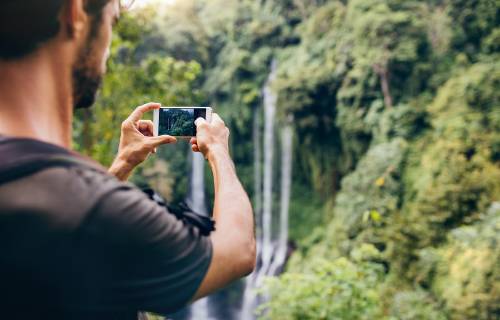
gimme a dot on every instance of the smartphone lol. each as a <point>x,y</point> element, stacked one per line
<point>179,121</point>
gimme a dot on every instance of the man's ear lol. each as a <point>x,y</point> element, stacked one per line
<point>74,18</point>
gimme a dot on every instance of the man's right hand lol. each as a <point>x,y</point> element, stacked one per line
<point>233,241</point>
<point>211,138</point>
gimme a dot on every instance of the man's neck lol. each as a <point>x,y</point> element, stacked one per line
<point>36,98</point>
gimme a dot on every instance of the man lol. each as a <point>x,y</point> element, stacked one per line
<point>75,242</point>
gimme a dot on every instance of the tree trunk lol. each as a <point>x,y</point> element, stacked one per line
<point>383,73</point>
<point>384,81</point>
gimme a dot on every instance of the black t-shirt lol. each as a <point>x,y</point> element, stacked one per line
<point>75,243</point>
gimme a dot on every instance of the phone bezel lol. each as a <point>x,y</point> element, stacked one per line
<point>156,118</point>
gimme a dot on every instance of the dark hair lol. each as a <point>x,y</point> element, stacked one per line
<point>27,24</point>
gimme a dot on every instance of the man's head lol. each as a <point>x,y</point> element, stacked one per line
<point>83,27</point>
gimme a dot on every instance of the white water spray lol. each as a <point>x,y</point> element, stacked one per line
<point>271,248</point>
<point>286,185</point>
<point>199,310</point>
<point>270,100</point>
<point>257,200</point>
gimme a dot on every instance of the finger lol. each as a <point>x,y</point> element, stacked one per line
<point>199,121</point>
<point>195,148</point>
<point>141,110</point>
<point>146,127</point>
<point>216,118</point>
<point>155,142</point>
<point>193,140</point>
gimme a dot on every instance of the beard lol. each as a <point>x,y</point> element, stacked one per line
<point>87,76</point>
<point>85,86</point>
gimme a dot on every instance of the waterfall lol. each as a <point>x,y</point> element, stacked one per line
<point>271,248</point>
<point>257,163</point>
<point>270,99</point>
<point>199,310</point>
<point>272,239</point>
<point>286,185</point>
<point>248,296</point>
<point>196,198</point>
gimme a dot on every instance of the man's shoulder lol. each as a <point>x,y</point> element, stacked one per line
<point>64,194</point>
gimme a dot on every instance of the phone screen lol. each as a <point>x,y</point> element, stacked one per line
<point>179,122</point>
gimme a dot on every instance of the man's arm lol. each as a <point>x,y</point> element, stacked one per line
<point>233,241</point>
<point>132,254</point>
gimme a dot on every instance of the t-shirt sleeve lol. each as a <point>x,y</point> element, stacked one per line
<point>136,255</point>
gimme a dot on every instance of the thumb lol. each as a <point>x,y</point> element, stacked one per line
<point>160,140</point>
<point>199,121</point>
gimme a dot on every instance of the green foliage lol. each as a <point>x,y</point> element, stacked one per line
<point>465,272</point>
<point>306,213</point>
<point>416,305</point>
<point>404,121</point>
<point>474,20</point>
<point>453,177</point>
<point>383,32</point>
<point>338,289</point>
<point>373,191</point>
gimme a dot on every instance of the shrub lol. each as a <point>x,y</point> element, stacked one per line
<point>416,305</point>
<point>467,272</point>
<point>337,289</point>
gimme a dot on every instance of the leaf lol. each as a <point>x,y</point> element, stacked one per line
<point>375,215</point>
<point>380,182</point>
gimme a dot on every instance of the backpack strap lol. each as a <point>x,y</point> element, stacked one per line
<point>184,212</point>
<point>23,157</point>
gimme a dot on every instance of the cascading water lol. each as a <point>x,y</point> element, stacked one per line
<point>271,248</point>
<point>196,200</point>
<point>286,185</point>
<point>257,163</point>
<point>270,100</point>
<point>272,238</point>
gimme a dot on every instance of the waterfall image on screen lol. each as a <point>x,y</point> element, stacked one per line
<point>179,121</point>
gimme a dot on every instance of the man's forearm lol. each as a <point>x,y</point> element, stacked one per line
<point>228,189</point>
<point>233,240</point>
<point>232,208</point>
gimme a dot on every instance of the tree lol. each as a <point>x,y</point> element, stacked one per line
<point>384,34</point>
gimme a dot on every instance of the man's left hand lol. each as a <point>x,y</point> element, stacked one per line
<point>137,142</point>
